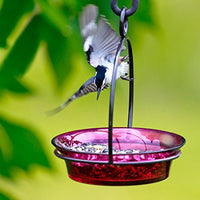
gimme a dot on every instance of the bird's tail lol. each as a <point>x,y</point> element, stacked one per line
<point>60,108</point>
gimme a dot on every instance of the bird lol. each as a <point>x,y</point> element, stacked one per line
<point>100,44</point>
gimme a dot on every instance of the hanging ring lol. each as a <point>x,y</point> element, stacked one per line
<point>129,12</point>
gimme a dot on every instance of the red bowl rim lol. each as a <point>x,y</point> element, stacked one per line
<point>160,151</point>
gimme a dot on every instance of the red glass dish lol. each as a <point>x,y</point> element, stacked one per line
<point>153,151</point>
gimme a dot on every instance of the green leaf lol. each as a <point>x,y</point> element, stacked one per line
<point>4,168</point>
<point>20,56</point>
<point>24,50</point>
<point>54,16</point>
<point>11,84</point>
<point>5,197</point>
<point>60,53</point>
<point>10,14</point>
<point>23,148</point>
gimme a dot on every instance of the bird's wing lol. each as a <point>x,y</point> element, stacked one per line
<point>87,21</point>
<point>105,41</point>
<point>88,87</point>
<point>99,41</point>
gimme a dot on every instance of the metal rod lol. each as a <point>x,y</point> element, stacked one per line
<point>124,14</point>
<point>112,95</point>
<point>131,83</point>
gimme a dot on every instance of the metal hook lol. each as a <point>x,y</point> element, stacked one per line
<point>129,12</point>
<point>123,28</point>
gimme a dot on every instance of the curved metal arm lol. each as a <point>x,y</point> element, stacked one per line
<point>124,13</point>
<point>131,83</point>
<point>112,94</point>
<point>129,12</point>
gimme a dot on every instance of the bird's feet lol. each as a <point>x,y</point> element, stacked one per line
<point>126,78</point>
<point>124,58</point>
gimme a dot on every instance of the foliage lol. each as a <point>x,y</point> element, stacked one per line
<point>24,149</point>
<point>54,23</point>
<point>5,196</point>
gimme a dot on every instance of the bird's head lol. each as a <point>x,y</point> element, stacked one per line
<point>100,78</point>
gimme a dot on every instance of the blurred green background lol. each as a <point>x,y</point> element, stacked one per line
<point>42,63</point>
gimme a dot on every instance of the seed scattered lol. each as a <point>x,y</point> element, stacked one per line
<point>99,148</point>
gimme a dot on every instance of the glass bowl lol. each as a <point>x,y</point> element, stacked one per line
<point>140,155</point>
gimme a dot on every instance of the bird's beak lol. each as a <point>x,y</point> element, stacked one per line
<point>98,93</point>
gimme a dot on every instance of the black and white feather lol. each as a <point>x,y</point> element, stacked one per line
<point>87,21</point>
<point>88,87</point>
<point>100,43</point>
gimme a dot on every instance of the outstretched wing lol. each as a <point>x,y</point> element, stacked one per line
<point>99,41</point>
<point>87,21</point>
<point>88,87</point>
<point>105,41</point>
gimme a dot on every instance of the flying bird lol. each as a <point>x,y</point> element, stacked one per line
<point>100,43</point>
